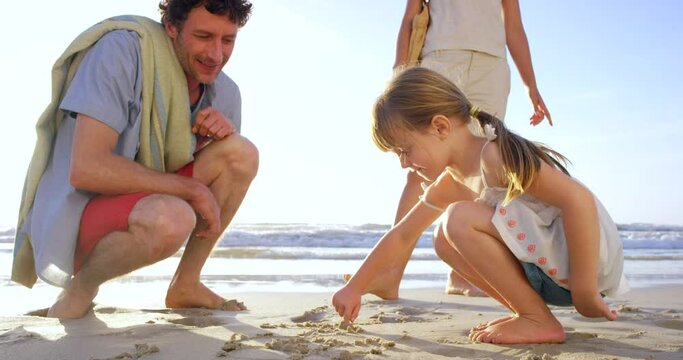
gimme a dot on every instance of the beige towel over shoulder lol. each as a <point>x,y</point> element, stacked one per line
<point>166,141</point>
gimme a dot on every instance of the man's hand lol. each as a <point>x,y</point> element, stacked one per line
<point>204,203</point>
<point>347,303</point>
<point>211,123</point>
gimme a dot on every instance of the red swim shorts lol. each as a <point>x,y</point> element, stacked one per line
<point>108,213</point>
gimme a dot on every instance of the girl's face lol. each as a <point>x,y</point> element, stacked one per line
<point>424,152</point>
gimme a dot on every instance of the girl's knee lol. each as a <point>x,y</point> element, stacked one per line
<point>458,222</point>
<point>446,251</point>
<point>441,245</point>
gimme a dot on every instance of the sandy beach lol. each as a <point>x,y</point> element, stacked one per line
<point>423,324</point>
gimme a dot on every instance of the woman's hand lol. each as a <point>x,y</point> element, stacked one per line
<point>540,110</point>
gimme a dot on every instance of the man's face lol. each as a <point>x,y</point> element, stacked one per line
<point>203,45</point>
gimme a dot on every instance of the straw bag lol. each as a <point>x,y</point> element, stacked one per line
<point>418,33</point>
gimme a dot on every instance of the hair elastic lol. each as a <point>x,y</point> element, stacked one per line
<point>474,111</point>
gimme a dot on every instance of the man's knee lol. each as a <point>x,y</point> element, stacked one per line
<point>240,156</point>
<point>164,222</point>
<point>247,165</point>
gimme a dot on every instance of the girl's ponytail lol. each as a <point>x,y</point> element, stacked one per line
<point>521,157</point>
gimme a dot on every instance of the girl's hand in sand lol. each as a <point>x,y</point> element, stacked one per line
<point>347,303</point>
<point>593,306</point>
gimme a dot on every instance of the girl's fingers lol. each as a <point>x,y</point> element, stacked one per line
<point>354,313</point>
<point>347,315</point>
<point>550,119</point>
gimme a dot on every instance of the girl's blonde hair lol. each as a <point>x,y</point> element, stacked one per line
<point>415,95</point>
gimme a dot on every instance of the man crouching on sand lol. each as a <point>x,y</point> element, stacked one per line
<point>138,153</point>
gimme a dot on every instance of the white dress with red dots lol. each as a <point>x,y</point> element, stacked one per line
<point>534,233</point>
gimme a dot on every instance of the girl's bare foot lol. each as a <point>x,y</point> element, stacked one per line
<point>483,326</point>
<point>384,285</point>
<point>197,295</point>
<point>522,330</point>
<point>456,285</point>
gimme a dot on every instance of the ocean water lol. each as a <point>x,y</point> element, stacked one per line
<point>312,258</point>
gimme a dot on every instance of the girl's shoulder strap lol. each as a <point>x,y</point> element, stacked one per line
<point>481,164</point>
<point>490,134</point>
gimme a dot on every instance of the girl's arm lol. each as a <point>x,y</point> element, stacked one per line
<point>396,245</point>
<point>413,7</point>
<point>582,230</point>
<point>518,45</point>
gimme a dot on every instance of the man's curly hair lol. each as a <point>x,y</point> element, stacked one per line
<point>175,11</point>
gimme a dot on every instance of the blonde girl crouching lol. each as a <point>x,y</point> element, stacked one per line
<point>527,233</point>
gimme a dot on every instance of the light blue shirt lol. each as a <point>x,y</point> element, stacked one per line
<point>107,87</point>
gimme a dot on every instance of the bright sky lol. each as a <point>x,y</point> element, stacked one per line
<point>610,71</point>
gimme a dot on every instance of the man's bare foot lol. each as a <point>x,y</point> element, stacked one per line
<point>521,330</point>
<point>384,285</point>
<point>456,285</point>
<point>72,303</point>
<point>197,295</point>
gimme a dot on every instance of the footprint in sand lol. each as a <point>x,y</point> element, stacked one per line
<point>396,317</point>
<point>406,310</point>
<point>308,316</point>
<point>636,335</point>
<point>140,351</point>
<point>113,310</point>
<point>17,335</point>
<point>313,315</point>
<point>581,336</point>
<point>623,308</point>
<point>670,324</point>
<point>144,349</point>
<point>385,318</point>
<point>200,322</point>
